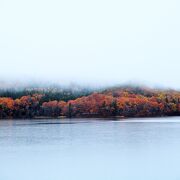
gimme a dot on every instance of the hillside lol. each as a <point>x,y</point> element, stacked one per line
<point>124,101</point>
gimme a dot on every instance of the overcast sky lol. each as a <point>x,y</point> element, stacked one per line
<point>91,41</point>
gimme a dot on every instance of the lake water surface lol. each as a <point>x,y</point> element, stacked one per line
<point>90,149</point>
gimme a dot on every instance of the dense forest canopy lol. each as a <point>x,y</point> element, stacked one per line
<point>49,94</point>
<point>125,101</point>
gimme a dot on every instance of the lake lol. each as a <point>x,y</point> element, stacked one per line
<point>90,149</point>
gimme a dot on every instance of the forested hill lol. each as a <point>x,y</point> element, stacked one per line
<point>124,101</point>
<point>49,94</point>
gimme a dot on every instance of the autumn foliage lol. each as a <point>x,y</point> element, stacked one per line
<point>125,102</point>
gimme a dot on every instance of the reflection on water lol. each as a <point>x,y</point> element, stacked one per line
<point>86,149</point>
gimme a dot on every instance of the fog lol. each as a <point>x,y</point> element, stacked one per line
<point>90,42</point>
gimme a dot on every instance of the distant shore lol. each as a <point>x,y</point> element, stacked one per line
<point>83,117</point>
<point>117,102</point>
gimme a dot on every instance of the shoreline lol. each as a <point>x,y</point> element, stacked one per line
<point>65,117</point>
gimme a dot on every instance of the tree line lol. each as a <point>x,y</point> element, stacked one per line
<point>123,101</point>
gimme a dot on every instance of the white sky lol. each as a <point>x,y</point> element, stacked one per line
<point>91,41</point>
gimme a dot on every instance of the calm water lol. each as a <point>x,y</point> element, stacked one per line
<point>90,149</point>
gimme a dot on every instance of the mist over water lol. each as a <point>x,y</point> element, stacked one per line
<point>96,43</point>
<point>20,84</point>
